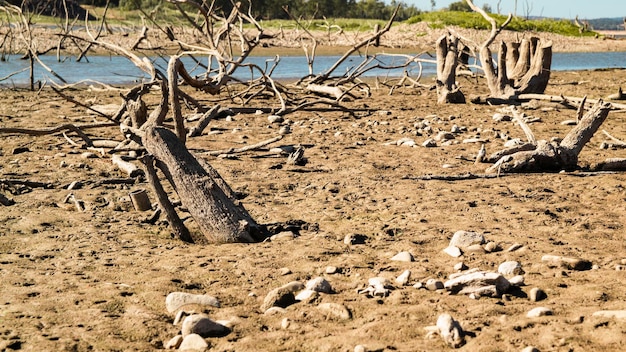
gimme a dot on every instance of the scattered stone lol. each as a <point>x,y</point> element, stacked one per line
<point>434,284</point>
<point>517,280</point>
<point>354,238</point>
<point>450,331</point>
<point>530,349</point>
<point>335,310</point>
<point>498,117</point>
<point>307,296</point>
<point>180,316</point>
<point>174,342</point>
<point>555,261</point>
<point>282,296</point>
<point>285,323</point>
<point>418,285</point>
<point>404,278</point>
<point>513,143</point>
<point>176,300</point>
<point>453,251</point>
<point>286,129</point>
<point>491,247</point>
<point>536,294</point>
<point>377,286</point>
<point>515,247</point>
<point>319,284</point>
<point>331,270</point>
<point>275,311</point>
<point>403,257</point>
<point>202,325</point>
<point>429,143</point>
<point>464,239</point>
<point>275,119</point>
<point>283,236</point>
<point>460,266</point>
<point>443,136</point>
<point>617,314</point>
<point>539,312</point>
<point>510,268</point>
<point>193,342</point>
<point>475,248</point>
<point>285,271</point>
<point>482,283</point>
<point>360,348</point>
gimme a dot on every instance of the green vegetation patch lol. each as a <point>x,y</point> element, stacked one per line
<point>473,20</point>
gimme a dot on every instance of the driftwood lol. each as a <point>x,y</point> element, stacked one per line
<point>129,168</point>
<point>447,54</point>
<point>553,156</point>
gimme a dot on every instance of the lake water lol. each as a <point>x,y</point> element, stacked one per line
<point>119,70</point>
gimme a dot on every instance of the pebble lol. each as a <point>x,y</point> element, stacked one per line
<point>510,268</point>
<point>275,119</point>
<point>319,284</point>
<point>515,247</point>
<point>555,261</point>
<point>89,155</point>
<point>193,342</point>
<point>285,323</point>
<point>176,300</point>
<point>331,270</point>
<point>360,348</point>
<point>403,257</point>
<point>429,143</point>
<point>174,342</point>
<point>491,247</point>
<point>453,251</point>
<point>202,325</point>
<point>460,266</point>
<point>517,280</point>
<point>403,279</point>
<point>443,135</point>
<point>463,239</point>
<point>275,311</point>
<point>536,294</point>
<point>481,283</point>
<point>282,296</point>
<point>283,236</point>
<point>284,271</point>
<point>307,295</point>
<point>539,312</point>
<point>335,310</point>
<point>284,130</point>
<point>617,314</point>
<point>180,316</point>
<point>450,331</point>
<point>354,238</point>
<point>530,349</point>
<point>434,284</point>
<point>513,143</point>
<point>498,117</point>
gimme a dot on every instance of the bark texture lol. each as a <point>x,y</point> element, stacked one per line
<point>447,61</point>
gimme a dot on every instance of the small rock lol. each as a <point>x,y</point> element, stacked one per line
<point>460,266</point>
<point>275,119</point>
<point>566,262</point>
<point>450,330</point>
<point>453,251</point>
<point>404,278</point>
<point>429,143</point>
<point>335,310</point>
<point>617,314</point>
<point>360,348</point>
<point>282,296</point>
<point>202,325</point>
<point>539,312</point>
<point>403,257</point>
<point>510,268</point>
<point>475,248</point>
<point>284,130</point>
<point>517,280</point>
<point>480,281</point>
<point>464,239</point>
<point>285,271</point>
<point>418,285</point>
<point>536,294</point>
<point>176,300</point>
<point>433,285</point>
<point>331,270</point>
<point>307,295</point>
<point>354,238</point>
<point>180,316</point>
<point>193,342</point>
<point>174,342</point>
<point>443,136</point>
<point>283,236</point>
<point>491,247</point>
<point>514,247</point>
<point>530,349</point>
<point>513,143</point>
<point>319,284</point>
<point>498,117</point>
<point>275,311</point>
<point>285,323</point>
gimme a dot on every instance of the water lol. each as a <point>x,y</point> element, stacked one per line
<point>119,70</point>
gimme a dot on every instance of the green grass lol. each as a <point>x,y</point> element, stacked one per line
<point>441,19</point>
<point>347,24</point>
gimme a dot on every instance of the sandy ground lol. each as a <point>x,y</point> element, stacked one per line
<point>96,280</point>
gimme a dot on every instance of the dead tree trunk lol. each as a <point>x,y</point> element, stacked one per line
<point>217,215</point>
<point>553,156</point>
<point>447,61</point>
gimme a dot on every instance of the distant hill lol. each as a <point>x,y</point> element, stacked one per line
<point>616,23</point>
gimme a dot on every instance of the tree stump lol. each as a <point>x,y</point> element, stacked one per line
<point>447,61</point>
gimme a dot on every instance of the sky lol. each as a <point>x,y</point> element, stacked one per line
<point>584,9</point>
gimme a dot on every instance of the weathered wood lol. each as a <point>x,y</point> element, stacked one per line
<point>219,219</point>
<point>129,168</point>
<point>447,54</point>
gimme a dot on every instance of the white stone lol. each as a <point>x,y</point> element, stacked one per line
<point>285,323</point>
<point>275,119</point>
<point>275,311</point>
<point>517,280</point>
<point>539,312</point>
<point>617,314</point>
<point>429,143</point>
<point>566,262</point>
<point>460,266</point>
<point>536,294</point>
<point>514,247</point>
<point>307,295</point>
<point>473,282</point>
<point>319,284</point>
<point>434,284</point>
<point>463,239</point>
<point>360,348</point>
<point>176,300</point>
<point>174,342</point>
<point>510,268</point>
<point>450,330</point>
<point>193,342</point>
<point>453,251</point>
<point>404,278</point>
<point>403,257</point>
<point>530,349</point>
